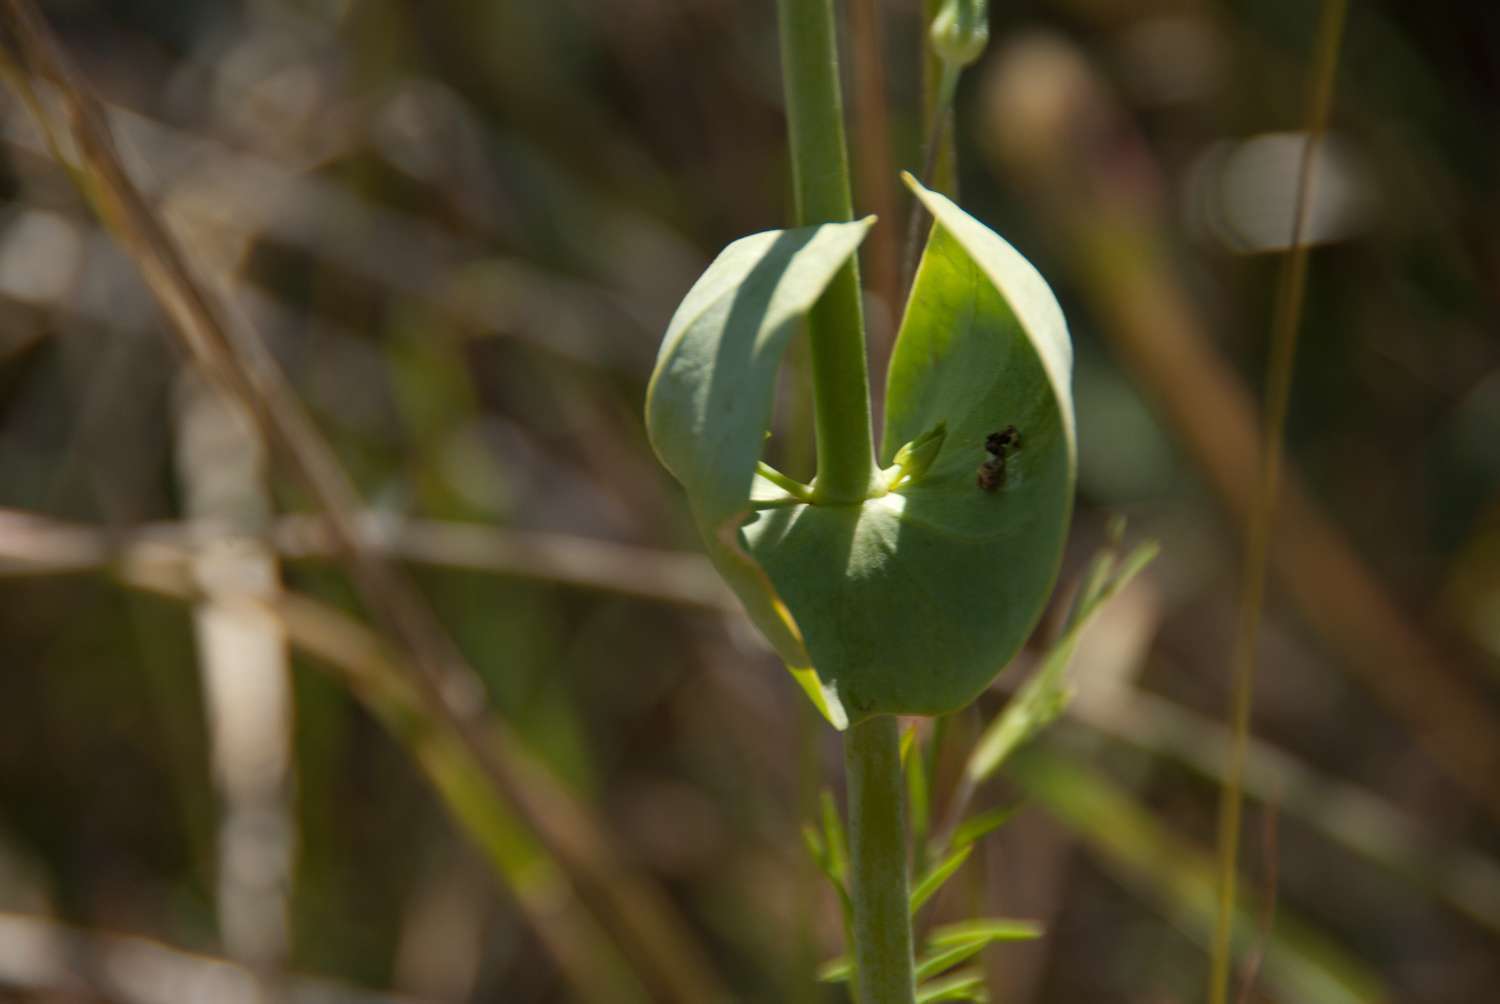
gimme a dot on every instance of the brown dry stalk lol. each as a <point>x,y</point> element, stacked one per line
<point>1285,325</point>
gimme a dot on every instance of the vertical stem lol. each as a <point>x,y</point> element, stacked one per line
<point>820,171</point>
<point>875,173</point>
<point>877,863</point>
<point>940,177</point>
<point>1284,326</point>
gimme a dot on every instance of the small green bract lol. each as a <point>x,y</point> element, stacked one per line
<point>910,601</point>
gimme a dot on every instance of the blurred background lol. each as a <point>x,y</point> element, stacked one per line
<point>462,227</point>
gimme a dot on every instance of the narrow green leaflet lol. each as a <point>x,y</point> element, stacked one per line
<point>941,872</point>
<point>1045,696</point>
<point>948,946</point>
<point>964,985</point>
<point>984,930</point>
<point>982,824</point>
<point>912,600</point>
<point>936,965</point>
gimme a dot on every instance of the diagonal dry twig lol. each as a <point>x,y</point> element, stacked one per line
<point>31,544</point>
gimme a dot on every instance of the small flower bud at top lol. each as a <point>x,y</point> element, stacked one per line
<point>960,31</point>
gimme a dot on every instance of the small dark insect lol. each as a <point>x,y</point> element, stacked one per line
<point>998,444</point>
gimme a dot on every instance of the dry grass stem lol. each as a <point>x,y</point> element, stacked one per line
<point>233,357</point>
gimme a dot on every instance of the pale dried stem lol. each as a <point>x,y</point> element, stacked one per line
<point>57,961</point>
<point>247,692</point>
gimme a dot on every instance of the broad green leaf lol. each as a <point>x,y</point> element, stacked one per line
<point>709,403</point>
<point>912,600</point>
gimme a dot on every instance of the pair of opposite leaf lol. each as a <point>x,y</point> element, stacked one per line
<point>910,601</point>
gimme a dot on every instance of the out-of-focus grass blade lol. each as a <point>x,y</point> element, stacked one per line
<point>1046,694</point>
<point>831,852</point>
<point>941,872</point>
<point>982,825</point>
<point>835,839</point>
<point>964,985</point>
<point>1300,963</point>
<point>816,849</point>
<point>918,804</point>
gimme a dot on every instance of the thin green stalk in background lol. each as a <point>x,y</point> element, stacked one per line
<point>954,35</point>
<point>1262,510</point>
<point>820,173</point>
<point>882,949</point>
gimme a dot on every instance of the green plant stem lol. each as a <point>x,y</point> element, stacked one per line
<point>940,177</point>
<point>877,863</point>
<point>820,172</point>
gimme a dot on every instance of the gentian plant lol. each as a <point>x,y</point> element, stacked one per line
<point>898,582</point>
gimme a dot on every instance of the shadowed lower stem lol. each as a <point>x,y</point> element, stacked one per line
<point>877,863</point>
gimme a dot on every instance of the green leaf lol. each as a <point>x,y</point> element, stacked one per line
<point>912,600</point>
<point>964,985</point>
<point>954,944</point>
<point>709,403</point>
<point>815,847</point>
<point>836,970</point>
<point>940,873</point>
<point>982,824</point>
<point>918,802</point>
<point>940,962</point>
<point>834,837</point>
<point>1046,695</point>
<point>984,930</point>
